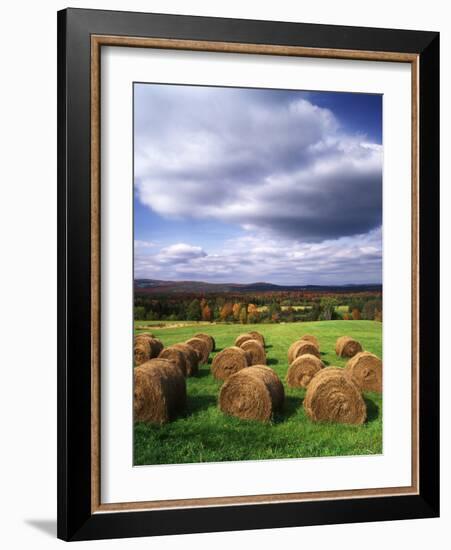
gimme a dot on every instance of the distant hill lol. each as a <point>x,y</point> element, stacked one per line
<point>157,286</point>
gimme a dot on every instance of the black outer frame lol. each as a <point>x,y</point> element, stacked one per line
<point>75,520</point>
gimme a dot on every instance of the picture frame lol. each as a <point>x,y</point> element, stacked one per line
<point>81,36</point>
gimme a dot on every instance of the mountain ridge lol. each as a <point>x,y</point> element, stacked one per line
<point>157,285</point>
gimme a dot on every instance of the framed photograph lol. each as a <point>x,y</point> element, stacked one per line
<point>248,274</point>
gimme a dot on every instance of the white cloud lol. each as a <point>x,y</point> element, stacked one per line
<point>255,257</point>
<point>257,160</point>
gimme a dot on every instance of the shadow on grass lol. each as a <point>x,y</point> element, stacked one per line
<point>217,350</point>
<point>372,410</point>
<point>199,403</point>
<point>272,361</point>
<point>290,408</point>
<point>267,346</point>
<point>203,372</point>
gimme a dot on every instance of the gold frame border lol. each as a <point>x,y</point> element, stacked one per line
<point>97,41</point>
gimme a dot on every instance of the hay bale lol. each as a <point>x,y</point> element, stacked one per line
<point>243,338</point>
<point>302,370</point>
<point>176,356</point>
<point>159,391</point>
<point>254,393</point>
<point>256,352</point>
<point>191,358</point>
<point>209,340</point>
<point>365,369</point>
<point>148,334</point>
<point>155,344</point>
<point>346,346</point>
<point>201,348</point>
<point>311,338</point>
<point>332,396</point>
<point>301,347</point>
<point>257,336</point>
<point>141,351</point>
<point>229,361</point>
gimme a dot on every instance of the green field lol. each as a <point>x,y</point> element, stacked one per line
<point>204,434</point>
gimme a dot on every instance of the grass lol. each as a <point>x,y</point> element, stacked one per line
<point>204,434</point>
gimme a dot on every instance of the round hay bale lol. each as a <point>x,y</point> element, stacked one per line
<point>191,358</point>
<point>254,393</point>
<point>346,346</point>
<point>332,396</point>
<point>148,334</point>
<point>301,347</point>
<point>156,345</point>
<point>200,347</point>
<point>229,361</point>
<point>209,340</point>
<point>255,351</point>
<point>302,370</point>
<point>159,391</point>
<point>175,356</point>
<point>365,369</point>
<point>257,336</point>
<point>141,351</point>
<point>311,338</point>
<point>242,338</point>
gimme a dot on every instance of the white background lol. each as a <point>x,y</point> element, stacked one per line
<point>28,246</point>
<point>119,481</point>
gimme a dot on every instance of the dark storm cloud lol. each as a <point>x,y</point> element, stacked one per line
<point>263,160</point>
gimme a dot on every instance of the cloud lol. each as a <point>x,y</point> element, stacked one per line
<point>263,160</point>
<point>252,258</point>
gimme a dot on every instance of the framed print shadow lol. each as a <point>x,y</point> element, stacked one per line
<point>248,252</point>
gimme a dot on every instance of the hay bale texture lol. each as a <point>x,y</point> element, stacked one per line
<point>243,338</point>
<point>311,338</point>
<point>229,361</point>
<point>254,393</point>
<point>332,396</point>
<point>256,352</point>
<point>365,369</point>
<point>191,358</point>
<point>141,351</point>
<point>209,340</point>
<point>257,336</point>
<point>201,348</point>
<point>176,356</point>
<point>346,346</point>
<point>302,347</point>
<point>302,370</point>
<point>159,391</point>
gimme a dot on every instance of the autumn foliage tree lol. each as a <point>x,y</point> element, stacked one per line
<point>356,314</point>
<point>226,311</point>
<point>236,311</point>
<point>206,313</point>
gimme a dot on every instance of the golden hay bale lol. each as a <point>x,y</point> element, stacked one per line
<point>254,393</point>
<point>148,334</point>
<point>242,338</point>
<point>156,345</point>
<point>159,391</point>
<point>365,369</point>
<point>346,346</point>
<point>257,336</point>
<point>302,370</point>
<point>175,356</point>
<point>311,338</point>
<point>141,351</point>
<point>200,347</point>
<point>229,361</point>
<point>255,351</point>
<point>301,347</point>
<point>191,358</point>
<point>332,396</point>
<point>209,340</point>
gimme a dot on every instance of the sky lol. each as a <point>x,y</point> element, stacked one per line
<point>254,185</point>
